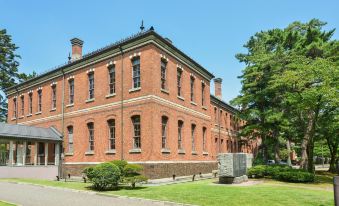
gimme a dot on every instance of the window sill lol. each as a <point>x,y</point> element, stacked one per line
<point>21,117</point>
<point>194,103</point>
<point>110,151</point>
<point>181,151</point>
<point>70,105</point>
<point>14,118</point>
<point>181,98</point>
<point>29,115</point>
<point>110,95</point>
<point>53,110</point>
<point>165,151</point>
<point>90,100</point>
<point>204,107</point>
<point>194,153</point>
<point>69,154</point>
<point>134,89</point>
<point>38,113</point>
<point>164,91</point>
<point>135,151</point>
<point>205,153</point>
<point>89,153</point>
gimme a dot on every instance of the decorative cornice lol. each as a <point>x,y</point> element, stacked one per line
<point>91,70</point>
<point>163,57</point>
<point>135,55</point>
<point>111,63</point>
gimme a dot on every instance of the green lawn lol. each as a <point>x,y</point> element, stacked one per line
<point>5,204</point>
<point>205,192</point>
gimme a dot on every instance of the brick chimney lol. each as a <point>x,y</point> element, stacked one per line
<point>217,88</point>
<point>76,48</point>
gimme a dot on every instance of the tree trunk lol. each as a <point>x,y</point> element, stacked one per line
<point>333,147</point>
<point>304,163</point>
<point>288,146</point>
<point>277,151</point>
<point>310,150</point>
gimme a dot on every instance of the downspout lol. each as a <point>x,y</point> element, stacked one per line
<point>122,103</point>
<point>16,105</point>
<point>219,142</point>
<point>61,151</point>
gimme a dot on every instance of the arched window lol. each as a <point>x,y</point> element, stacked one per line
<point>70,139</point>
<point>204,139</point>
<point>164,121</point>
<point>14,108</point>
<point>90,127</point>
<point>111,128</point>
<point>180,126</point>
<point>193,136</point>
<point>136,132</point>
<point>39,100</point>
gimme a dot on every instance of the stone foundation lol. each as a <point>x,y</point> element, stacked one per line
<point>233,180</point>
<point>155,170</point>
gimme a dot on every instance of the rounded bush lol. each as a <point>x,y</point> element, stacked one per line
<point>103,176</point>
<point>295,176</point>
<point>258,171</point>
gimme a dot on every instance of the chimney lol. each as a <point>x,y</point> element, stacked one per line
<point>76,48</point>
<point>217,88</point>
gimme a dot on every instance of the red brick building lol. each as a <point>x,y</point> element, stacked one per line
<point>140,99</point>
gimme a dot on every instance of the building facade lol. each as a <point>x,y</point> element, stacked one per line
<point>140,99</point>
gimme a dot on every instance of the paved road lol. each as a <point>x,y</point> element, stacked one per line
<point>32,195</point>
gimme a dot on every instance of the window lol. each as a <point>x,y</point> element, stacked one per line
<point>71,91</point>
<point>163,74</point>
<point>202,94</point>
<point>90,127</point>
<point>192,89</point>
<point>111,128</point>
<point>179,75</point>
<point>111,72</point>
<point>215,114</point>
<point>204,138</point>
<point>39,100</point>
<point>137,132</point>
<point>91,85</point>
<point>136,72</point>
<point>53,96</point>
<point>193,136</point>
<point>70,139</point>
<point>30,103</point>
<point>180,126</point>
<point>22,106</point>
<point>220,123</point>
<point>14,108</point>
<point>164,121</point>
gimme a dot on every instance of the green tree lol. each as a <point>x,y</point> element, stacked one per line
<point>9,75</point>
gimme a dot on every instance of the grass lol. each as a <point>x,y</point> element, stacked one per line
<point>5,204</point>
<point>269,192</point>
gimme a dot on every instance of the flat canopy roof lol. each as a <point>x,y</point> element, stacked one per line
<point>23,132</point>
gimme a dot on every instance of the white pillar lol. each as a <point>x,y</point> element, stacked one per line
<point>11,155</point>
<point>36,153</point>
<point>46,153</point>
<point>57,153</point>
<point>24,154</point>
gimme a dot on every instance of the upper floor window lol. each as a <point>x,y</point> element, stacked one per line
<point>136,72</point>
<point>163,74</point>
<point>39,100</point>
<point>180,126</point>
<point>14,108</point>
<point>202,94</point>
<point>204,138</point>
<point>91,85</point>
<point>137,132</point>
<point>192,88</point>
<point>111,72</point>
<point>71,91</point>
<point>179,79</point>
<point>53,96</point>
<point>70,139</point>
<point>30,103</point>
<point>215,114</point>
<point>111,128</point>
<point>164,121</point>
<point>90,127</point>
<point>22,105</point>
<point>220,122</point>
<point>193,136</point>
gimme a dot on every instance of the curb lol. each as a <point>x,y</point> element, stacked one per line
<point>12,203</point>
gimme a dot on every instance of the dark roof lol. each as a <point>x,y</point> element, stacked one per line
<point>29,132</point>
<point>117,44</point>
<point>223,104</point>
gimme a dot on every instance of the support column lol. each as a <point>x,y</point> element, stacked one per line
<point>24,154</point>
<point>11,155</point>
<point>46,153</point>
<point>36,153</point>
<point>57,154</point>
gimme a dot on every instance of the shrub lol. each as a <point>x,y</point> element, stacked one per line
<point>135,179</point>
<point>295,176</point>
<point>121,164</point>
<point>103,176</point>
<point>132,174</point>
<point>258,171</point>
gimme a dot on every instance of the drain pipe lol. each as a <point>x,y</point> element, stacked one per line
<point>16,105</point>
<point>61,150</point>
<point>122,103</point>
